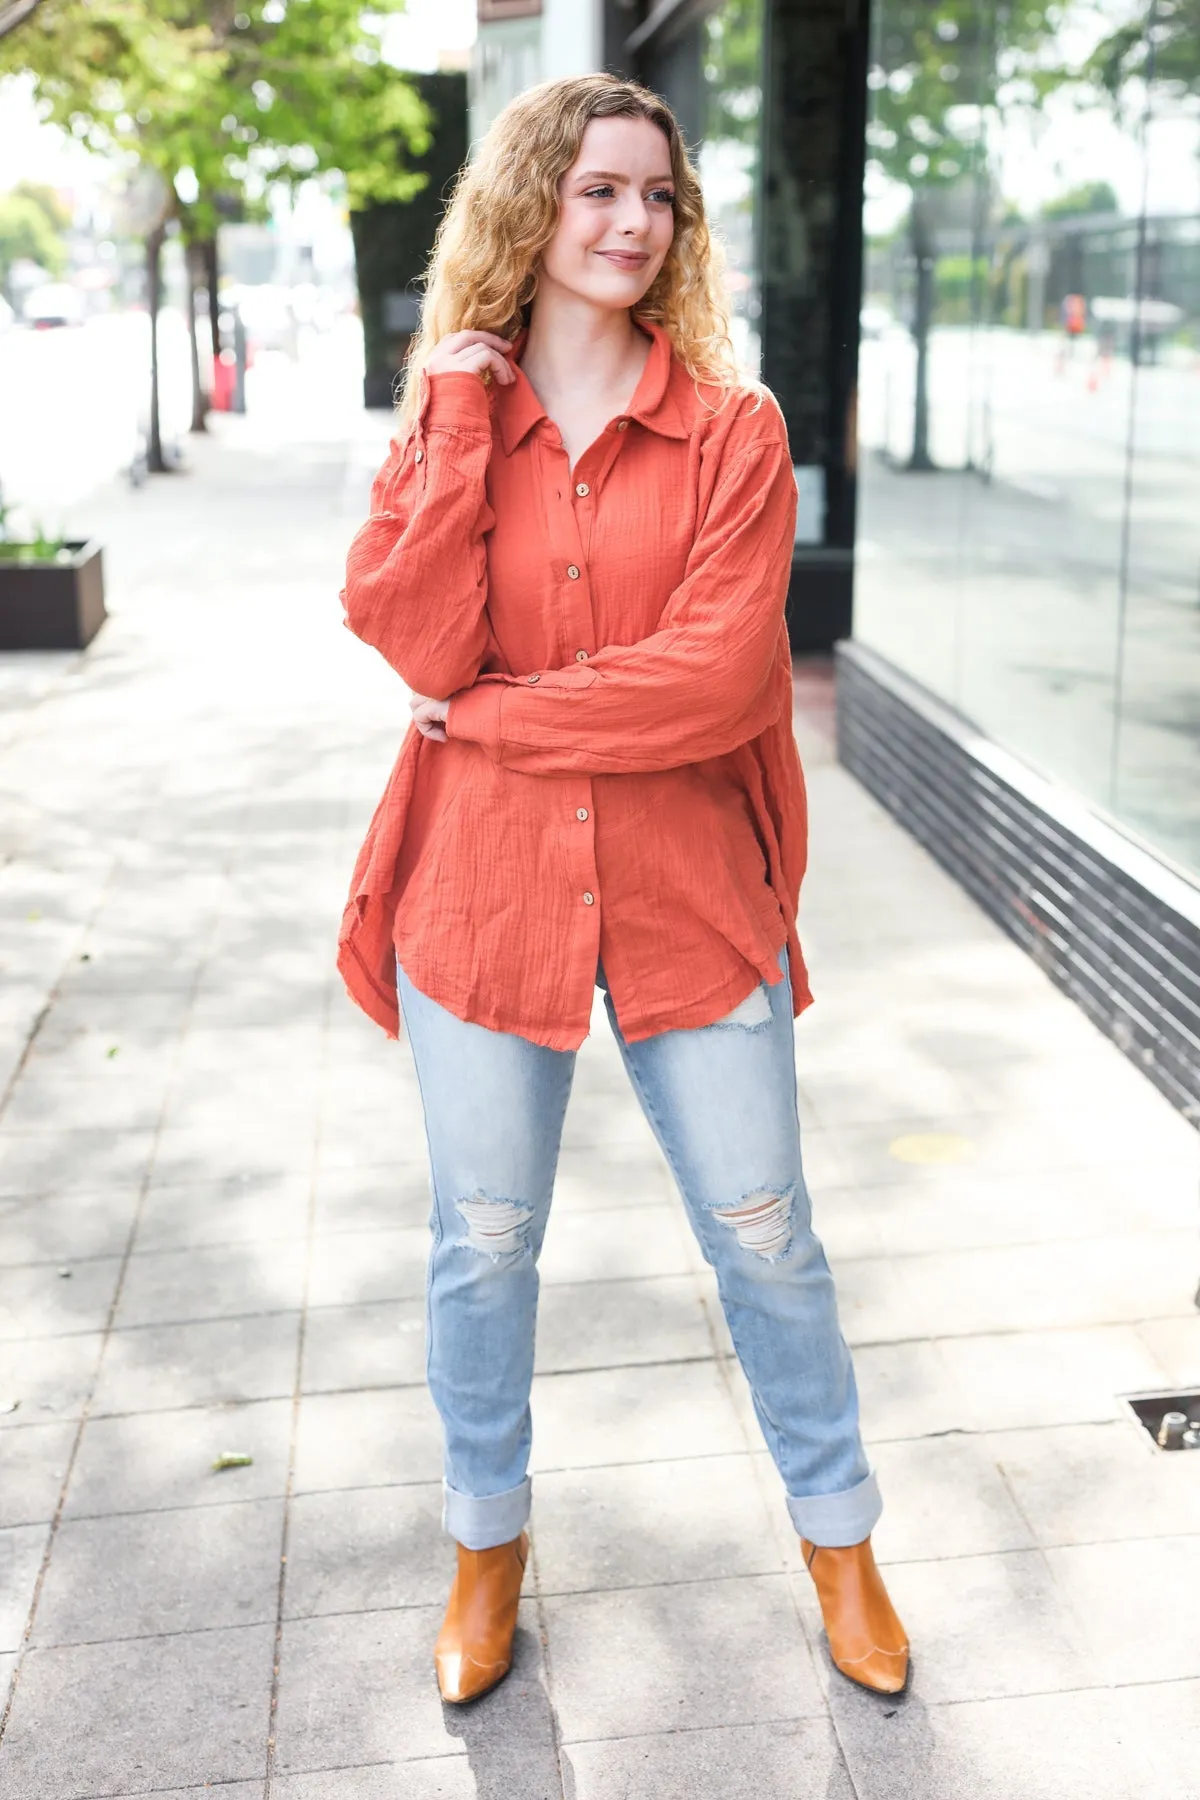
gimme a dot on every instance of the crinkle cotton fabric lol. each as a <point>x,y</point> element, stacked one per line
<point>620,781</point>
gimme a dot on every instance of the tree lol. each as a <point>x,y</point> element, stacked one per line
<point>941,71</point>
<point>26,232</point>
<point>215,100</point>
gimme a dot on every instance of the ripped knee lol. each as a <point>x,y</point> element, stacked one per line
<point>495,1228</point>
<point>762,1222</point>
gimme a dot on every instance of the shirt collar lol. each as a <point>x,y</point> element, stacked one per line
<point>652,405</point>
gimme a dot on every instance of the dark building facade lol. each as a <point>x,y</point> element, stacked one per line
<point>770,94</point>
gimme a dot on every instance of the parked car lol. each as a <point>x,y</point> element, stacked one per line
<point>54,303</point>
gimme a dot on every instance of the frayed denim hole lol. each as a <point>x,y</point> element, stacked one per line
<point>751,1014</point>
<point>496,1228</point>
<point>762,1222</point>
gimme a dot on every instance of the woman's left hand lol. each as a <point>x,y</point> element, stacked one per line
<point>429,716</point>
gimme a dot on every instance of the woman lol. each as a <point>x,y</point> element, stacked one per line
<point>576,557</point>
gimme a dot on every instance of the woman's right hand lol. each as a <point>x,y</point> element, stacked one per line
<point>472,353</point>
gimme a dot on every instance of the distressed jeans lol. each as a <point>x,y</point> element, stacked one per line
<point>722,1103</point>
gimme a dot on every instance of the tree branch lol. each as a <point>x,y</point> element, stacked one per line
<point>15,13</point>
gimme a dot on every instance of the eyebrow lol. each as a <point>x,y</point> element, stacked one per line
<point>611,175</point>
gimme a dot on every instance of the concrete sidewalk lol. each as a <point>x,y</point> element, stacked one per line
<point>212,1195</point>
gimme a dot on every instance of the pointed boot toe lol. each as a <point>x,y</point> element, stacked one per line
<point>474,1646</point>
<point>867,1642</point>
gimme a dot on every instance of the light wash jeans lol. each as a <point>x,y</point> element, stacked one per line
<point>722,1104</point>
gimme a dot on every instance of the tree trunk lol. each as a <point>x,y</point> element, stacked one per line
<point>922,247</point>
<point>155,460</point>
<point>212,277</point>
<point>200,394</point>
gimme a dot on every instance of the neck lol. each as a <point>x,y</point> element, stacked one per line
<point>574,346</point>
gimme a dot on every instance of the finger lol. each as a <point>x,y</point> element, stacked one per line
<point>482,337</point>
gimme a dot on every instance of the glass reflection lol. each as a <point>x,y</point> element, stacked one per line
<point>731,49</point>
<point>1028,523</point>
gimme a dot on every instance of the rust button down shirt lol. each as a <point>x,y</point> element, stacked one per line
<point>620,780</point>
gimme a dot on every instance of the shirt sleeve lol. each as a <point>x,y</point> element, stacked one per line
<point>416,571</point>
<point>701,685</point>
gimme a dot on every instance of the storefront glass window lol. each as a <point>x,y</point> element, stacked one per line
<point>731,52</point>
<point>1029,473</point>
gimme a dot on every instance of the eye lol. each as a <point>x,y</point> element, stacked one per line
<point>591,193</point>
<point>666,195</point>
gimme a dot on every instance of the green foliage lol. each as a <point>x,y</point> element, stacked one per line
<point>25,231</point>
<point>732,73</point>
<point>940,70</point>
<point>1077,202</point>
<point>49,199</point>
<point>1167,54</point>
<point>275,89</point>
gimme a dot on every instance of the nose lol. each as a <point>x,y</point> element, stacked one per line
<point>635,217</point>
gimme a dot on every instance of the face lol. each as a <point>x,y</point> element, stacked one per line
<point>616,215</point>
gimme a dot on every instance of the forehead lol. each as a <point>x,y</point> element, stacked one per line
<point>633,146</point>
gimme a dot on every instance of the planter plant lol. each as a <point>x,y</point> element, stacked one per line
<point>51,590</point>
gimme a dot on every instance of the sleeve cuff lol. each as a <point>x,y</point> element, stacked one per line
<point>454,400</point>
<point>474,714</point>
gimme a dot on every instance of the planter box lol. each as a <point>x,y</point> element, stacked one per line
<point>52,606</point>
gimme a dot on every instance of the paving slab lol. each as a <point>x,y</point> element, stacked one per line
<point>66,1228</point>
<point>649,1659</point>
<point>1130,1599</point>
<point>42,1379</point>
<point>981,1627</point>
<point>149,1462</point>
<point>648,1524</point>
<point>362,1685</point>
<point>210,1361</point>
<point>34,1459</point>
<point>173,1286</point>
<point>22,1548</point>
<point>146,1714</point>
<point>605,1324</point>
<point>482,1770</point>
<point>352,1267</point>
<point>203,1215</point>
<point>789,1759</point>
<point>366,1549</point>
<point>947,1497</point>
<point>143,1574</point>
<point>40,1300</point>
<point>629,1415</point>
<point>1062,1377</point>
<point>384,1438</point>
<point>1097,1483</point>
<point>1057,1746</point>
<point>381,1344</point>
<point>596,1246</point>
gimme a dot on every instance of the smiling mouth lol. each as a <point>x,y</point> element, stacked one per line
<point>626,258</point>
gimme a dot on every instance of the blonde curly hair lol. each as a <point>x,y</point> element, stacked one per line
<point>482,273</point>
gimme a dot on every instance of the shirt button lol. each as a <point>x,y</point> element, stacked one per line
<point>622,424</point>
<point>581,656</point>
<point>582,489</point>
<point>581,813</point>
<point>572,571</point>
<point>589,899</point>
<point>533,678</point>
<point>419,456</point>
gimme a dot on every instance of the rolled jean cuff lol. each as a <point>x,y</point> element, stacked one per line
<point>481,1524</point>
<point>835,1520</point>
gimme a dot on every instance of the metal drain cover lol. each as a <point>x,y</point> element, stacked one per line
<point>1172,1419</point>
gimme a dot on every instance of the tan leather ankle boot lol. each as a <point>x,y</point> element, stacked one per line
<point>474,1646</point>
<point>866,1640</point>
